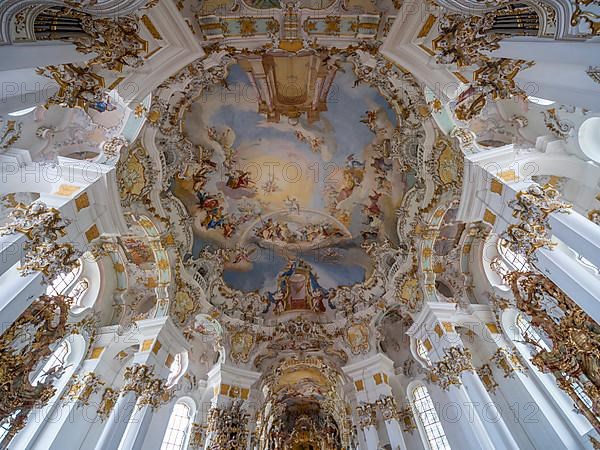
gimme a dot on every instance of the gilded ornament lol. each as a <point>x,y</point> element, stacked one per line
<point>574,355</point>
<point>151,390</point>
<point>78,86</point>
<point>82,388</point>
<point>448,369</point>
<point>487,377</point>
<point>367,415</point>
<point>559,127</point>
<point>532,207</point>
<point>407,419</point>
<point>115,41</point>
<point>24,347</point>
<point>227,427</point>
<point>465,41</point>
<point>107,403</point>
<point>508,361</point>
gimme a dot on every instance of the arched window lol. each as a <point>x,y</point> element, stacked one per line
<point>178,427</point>
<point>431,427</point>
<point>63,280</point>
<point>56,360</point>
<point>511,259</point>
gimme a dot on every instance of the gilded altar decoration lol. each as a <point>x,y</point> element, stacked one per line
<point>78,86</point>
<point>82,388</point>
<point>151,390</point>
<point>532,207</point>
<point>508,361</point>
<point>574,356</point>
<point>24,348</point>
<point>227,427</point>
<point>303,404</point>
<point>107,403</point>
<point>487,377</point>
<point>448,369</point>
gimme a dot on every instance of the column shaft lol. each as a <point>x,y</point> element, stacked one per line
<point>117,422</point>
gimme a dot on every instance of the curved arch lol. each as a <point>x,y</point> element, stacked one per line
<point>177,432</point>
<point>427,419</point>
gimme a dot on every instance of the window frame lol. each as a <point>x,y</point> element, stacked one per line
<point>429,441</point>
<point>170,431</point>
<point>71,278</point>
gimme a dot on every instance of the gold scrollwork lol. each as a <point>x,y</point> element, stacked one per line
<point>448,369</point>
<point>532,207</point>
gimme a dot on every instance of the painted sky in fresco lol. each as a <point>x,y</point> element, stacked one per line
<point>315,178</point>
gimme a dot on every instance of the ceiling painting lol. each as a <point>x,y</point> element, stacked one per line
<point>296,176</point>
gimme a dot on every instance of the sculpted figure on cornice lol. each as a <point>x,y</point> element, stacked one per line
<point>78,86</point>
<point>448,369</point>
<point>151,389</point>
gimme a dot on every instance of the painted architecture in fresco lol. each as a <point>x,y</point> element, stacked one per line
<point>302,178</point>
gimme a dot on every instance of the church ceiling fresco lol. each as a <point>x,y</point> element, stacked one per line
<point>292,195</point>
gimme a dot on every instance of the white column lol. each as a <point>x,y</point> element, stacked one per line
<point>579,233</point>
<point>18,293</point>
<point>559,70</point>
<point>371,437</point>
<point>462,426</point>
<point>395,434</point>
<point>39,54</point>
<point>436,325</point>
<point>135,433</point>
<point>579,284</point>
<point>114,429</point>
<point>490,417</point>
<point>11,250</point>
